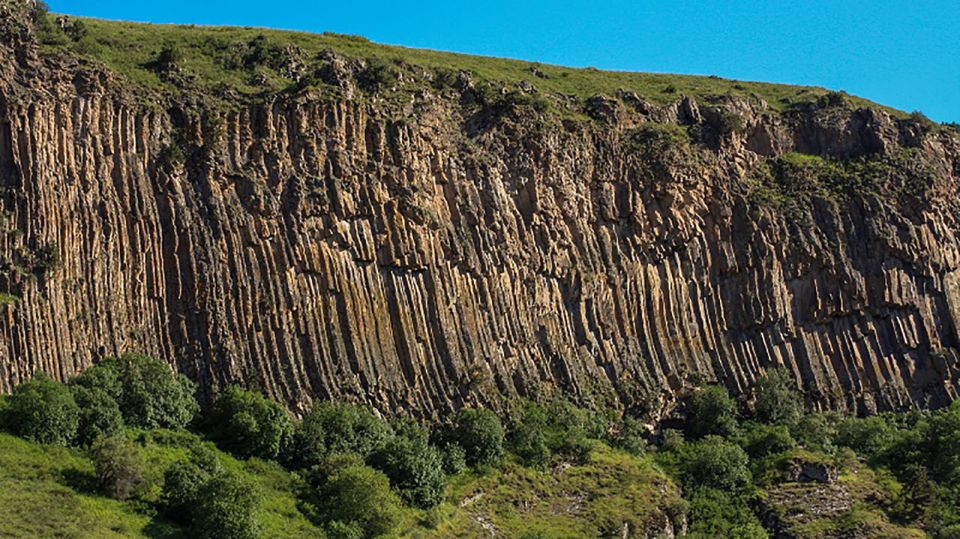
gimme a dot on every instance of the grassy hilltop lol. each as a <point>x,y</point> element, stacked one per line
<point>258,61</point>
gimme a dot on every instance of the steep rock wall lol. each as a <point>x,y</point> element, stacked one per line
<point>331,248</point>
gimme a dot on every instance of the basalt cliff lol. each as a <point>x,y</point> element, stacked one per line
<point>419,237</point>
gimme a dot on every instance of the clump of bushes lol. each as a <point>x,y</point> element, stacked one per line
<point>415,467</point>
<point>332,428</point>
<point>119,466</point>
<point>712,411</point>
<point>354,500</point>
<point>149,393</point>
<point>777,398</point>
<point>378,74</point>
<point>212,501</point>
<point>250,425</point>
<point>42,410</point>
<point>480,433</point>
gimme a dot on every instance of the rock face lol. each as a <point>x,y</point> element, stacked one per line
<point>332,248</point>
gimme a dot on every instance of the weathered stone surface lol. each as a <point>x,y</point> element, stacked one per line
<point>326,248</point>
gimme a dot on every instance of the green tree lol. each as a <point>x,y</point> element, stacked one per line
<point>778,400</point>
<point>869,436</point>
<point>119,466</point>
<point>183,483</point>
<point>104,376</point>
<point>333,428</point>
<point>528,435</point>
<point>42,410</point>
<point>414,467</point>
<point>354,498</point>
<point>152,395</point>
<point>227,508</point>
<point>941,440</point>
<point>99,414</point>
<point>480,433</point>
<point>712,411</point>
<point>249,424</point>
<point>715,463</point>
<point>760,440</point>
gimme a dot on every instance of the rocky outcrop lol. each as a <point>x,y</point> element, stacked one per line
<point>423,260</point>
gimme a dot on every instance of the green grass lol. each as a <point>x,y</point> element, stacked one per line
<point>48,491</point>
<point>210,54</point>
<point>38,498</point>
<point>589,500</point>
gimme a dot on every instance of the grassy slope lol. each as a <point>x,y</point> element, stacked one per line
<point>128,48</point>
<point>48,491</point>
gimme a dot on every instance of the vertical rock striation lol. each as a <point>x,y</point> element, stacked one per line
<point>332,248</point>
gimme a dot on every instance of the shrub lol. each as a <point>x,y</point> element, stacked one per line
<point>528,436</point>
<point>42,410</point>
<point>573,430</point>
<point>414,467</point>
<point>479,432</point>
<point>817,432</point>
<point>332,428</point>
<point>152,395</point>
<point>184,481</point>
<point>119,466</point>
<point>104,376</point>
<point>712,411</point>
<point>941,441</point>
<point>778,400</point>
<point>454,459</point>
<point>925,124</point>
<point>226,508</point>
<point>868,436</point>
<point>249,424</point>
<point>377,75</point>
<point>168,58</point>
<point>631,436</point>
<point>716,463</point>
<point>760,440</point>
<point>354,500</point>
<point>715,513</point>
<point>99,414</point>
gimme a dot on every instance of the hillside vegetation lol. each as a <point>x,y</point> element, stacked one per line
<point>231,62</point>
<point>124,450</point>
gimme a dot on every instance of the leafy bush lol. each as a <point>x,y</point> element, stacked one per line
<point>42,410</point>
<point>631,436</point>
<point>183,483</point>
<point>377,75</point>
<point>715,513</point>
<point>454,459</point>
<point>104,376</point>
<point>817,432</point>
<point>354,500</point>
<point>152,395</point>
<point>414,467</point>
<point>334,427</point>
<point>100,414</point>
<point>480,433</point>
<point>119,466</point>
<point>226,508</point>
<point>528,436</point>
<point>712,411</point>
<point>941,442</point>
<point>249,424</point>
<point>760,440</point>
<point>778,399</point>
<point>716,463</point>
<point>868,436</point>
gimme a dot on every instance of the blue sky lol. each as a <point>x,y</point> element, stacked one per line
<point>904,54</point>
